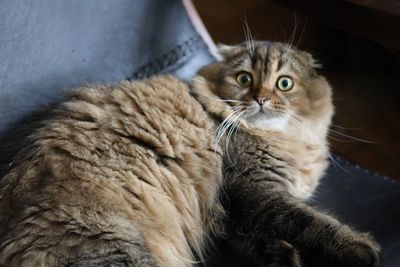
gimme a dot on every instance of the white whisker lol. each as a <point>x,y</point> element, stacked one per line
<point>337,139</point>
<point>346,128</point>
<point>222,128</point>
<point>335,163</point>
<point>230,100</point>
<point>302,33</point>
<point>232,130</point>
<point>293,35</point>
<point>351,137</point>
<point>248,37</point>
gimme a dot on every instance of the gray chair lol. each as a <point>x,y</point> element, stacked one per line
<point>50,46</point>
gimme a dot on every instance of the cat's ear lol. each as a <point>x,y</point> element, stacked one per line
<point>310,60</point>
<point>227,51</point>
<point>212,72</point>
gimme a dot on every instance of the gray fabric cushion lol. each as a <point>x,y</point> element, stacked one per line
<point>368,201</point>
<point>50,46</point>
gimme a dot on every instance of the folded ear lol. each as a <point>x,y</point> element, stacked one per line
<point>311,60</point>
<point>212,72</point>
<point>227,51</point>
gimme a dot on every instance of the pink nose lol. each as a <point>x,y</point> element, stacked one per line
<point>261,100</point>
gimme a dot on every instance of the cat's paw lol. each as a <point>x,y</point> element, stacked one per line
<point>361,250</point>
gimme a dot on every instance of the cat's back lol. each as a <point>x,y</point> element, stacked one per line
<point>134,153</point>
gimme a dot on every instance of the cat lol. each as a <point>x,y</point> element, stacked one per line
<point>274,162</point>
<point>131,174</point>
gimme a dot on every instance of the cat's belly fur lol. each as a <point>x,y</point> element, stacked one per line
<point>137,157</point>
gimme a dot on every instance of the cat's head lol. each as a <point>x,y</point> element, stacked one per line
<point>271,86</point>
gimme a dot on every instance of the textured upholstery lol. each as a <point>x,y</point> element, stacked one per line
<point>366,200</point>
<point>50,46</point>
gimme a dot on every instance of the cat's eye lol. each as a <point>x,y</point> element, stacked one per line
<point>244,79</point>
<point>284,83</point>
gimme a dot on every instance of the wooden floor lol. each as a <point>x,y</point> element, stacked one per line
<point>365,75</point>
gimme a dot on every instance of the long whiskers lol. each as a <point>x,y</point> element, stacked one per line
<point>233,130</point>
<point>350,137</point>
<point>335,163</point>
<point>302,119</point>
<point>301,122</point>
<point>222,128</point>
<point>248,37</point>
<point>293,35</point>
<point>229,127</point>
<point>302,33</point>
<point>345,128</point>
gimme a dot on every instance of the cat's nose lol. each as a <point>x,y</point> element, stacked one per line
<point>261,100</point>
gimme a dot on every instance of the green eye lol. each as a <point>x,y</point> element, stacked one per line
<point>244,79</point>
<point>284,83</point>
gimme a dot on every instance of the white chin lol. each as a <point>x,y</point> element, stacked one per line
<point>262,121</point>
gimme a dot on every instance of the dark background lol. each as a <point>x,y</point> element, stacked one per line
<point>358,44</point>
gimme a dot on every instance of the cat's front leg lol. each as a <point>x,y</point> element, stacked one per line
<point>339,245</point>
<point>267,211</point>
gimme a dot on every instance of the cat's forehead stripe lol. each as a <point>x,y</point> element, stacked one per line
<point>268,59</point>
<point>272,60</point>
<point>280,59</point>
<point>238,63</point>
<point>267,62</point>
<point>257,57</point>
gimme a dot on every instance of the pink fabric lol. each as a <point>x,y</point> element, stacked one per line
<point>200,28</point>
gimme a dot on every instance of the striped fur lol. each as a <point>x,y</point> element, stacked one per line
<point>130,174</point>
<point>270,170</point>
<point>124,173</point>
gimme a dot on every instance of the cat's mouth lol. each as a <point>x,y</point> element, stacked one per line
<point>254,109</point>
<point>265,117</point>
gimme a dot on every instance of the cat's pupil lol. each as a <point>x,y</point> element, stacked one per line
<point>285,83</point>
<point>245,79</point>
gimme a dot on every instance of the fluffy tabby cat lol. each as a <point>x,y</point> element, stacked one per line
<point>130,174</point>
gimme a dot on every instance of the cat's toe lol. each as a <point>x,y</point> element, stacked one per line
<point>282,254</point>
<point>360,251</point>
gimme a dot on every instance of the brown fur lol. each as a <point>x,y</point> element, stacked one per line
<point>308,104</point>
<point>130,173</point>
<point>272,167</point>
<point>114,163</point>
